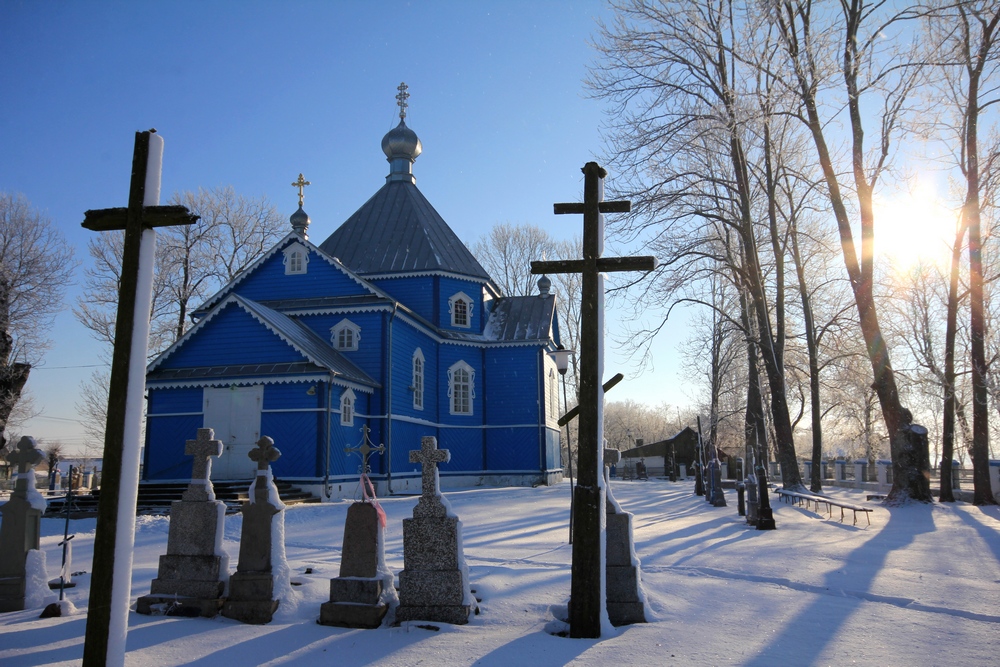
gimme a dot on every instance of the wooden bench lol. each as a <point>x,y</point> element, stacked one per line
<point>808,499</point>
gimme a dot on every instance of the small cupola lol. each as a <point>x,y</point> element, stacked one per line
<point>300,219</point>
<point>401,145</point>
<point>544,286</point>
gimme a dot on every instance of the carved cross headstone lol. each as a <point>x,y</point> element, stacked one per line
<point>585,609</point>
<point>107,619</point>
<point>203,448</point>
<point>428,456</point>
<point>264,453</point>
<point>25,456</point>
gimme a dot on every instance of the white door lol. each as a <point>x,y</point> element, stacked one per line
<point>234,414</point>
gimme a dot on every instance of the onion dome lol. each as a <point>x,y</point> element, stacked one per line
<point>544,285</point>
<point>300,222</point>
<point>401,145</point>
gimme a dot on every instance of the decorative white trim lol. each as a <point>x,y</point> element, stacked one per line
<point>469,380</point>
<point>250,380</point>
<point>296,259</point>
<point>351,333</point>
<point>347,408</point>
<point>418,369</point>
<point>464,298</point>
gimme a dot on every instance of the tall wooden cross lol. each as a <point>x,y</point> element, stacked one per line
<point>586,592</point>
<point>107,614</point>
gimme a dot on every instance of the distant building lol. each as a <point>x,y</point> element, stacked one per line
<point>390,323</point>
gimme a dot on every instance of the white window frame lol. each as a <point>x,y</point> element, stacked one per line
<point>347,400</point>
<point>466,387</point>
<point>454,299</point>
<point>553,395</point>
<point>296,259</point>
<point>419,365</point>
<point>340,329</point>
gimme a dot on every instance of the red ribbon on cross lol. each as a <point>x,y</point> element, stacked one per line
<point>366,484</point>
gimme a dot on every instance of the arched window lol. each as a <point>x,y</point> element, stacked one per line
<point>418,380</point>
<point>347,408</point>
<point>345,336</point>
<point>461,390</point>
<point>296,259</point>
<point>460,307</point>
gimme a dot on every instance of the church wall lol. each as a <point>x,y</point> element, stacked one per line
<point>405,341</point>
<point>466,446</point>
<point>269,282</point>
<point>417,293</point>
<point>369,356</point>
<point>231,337</point>
<point>512,386</point>
<point>512,449</point>
<point>448,355</point>
<point>448,287</point>
<point>166,435</point>
<point>296,435</point>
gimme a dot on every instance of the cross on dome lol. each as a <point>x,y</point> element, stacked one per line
<point>301,183</point>
<point>401,99</point>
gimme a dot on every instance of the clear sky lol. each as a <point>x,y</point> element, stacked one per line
<point>250,94</point>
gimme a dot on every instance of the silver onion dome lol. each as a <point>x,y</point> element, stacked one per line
<point>401,142</point>
<point>300,222</point>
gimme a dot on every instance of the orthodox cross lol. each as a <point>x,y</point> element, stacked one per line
<point>105,635</point>
<point>301,183</point>
<point>364,449</point>
<point>588,558</point>
<point>401,98</point>
<point>264,453</point>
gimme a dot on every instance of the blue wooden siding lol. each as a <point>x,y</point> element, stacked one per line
<point>165,401</point>
<point>231,337</point>
<point>405,341</point>
<point>466,446</point>
<point>416,293</point>
<point>296,435</point>
<point>512,385</point>
<point>448,355</point>
<point>269,282</point>
<point>165,440</point>
<point>367,357</point>
<point>512,449</point>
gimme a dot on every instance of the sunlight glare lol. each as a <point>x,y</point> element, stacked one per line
<point>914,226</point>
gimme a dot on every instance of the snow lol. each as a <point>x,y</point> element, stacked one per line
<point>36,581</point>
<point>917,587</point>
<point>34,497</point>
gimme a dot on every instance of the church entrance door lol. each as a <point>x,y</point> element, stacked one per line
<point>234,413</point>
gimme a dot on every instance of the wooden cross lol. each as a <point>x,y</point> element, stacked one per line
<point>429,456</point>
<point>137,219</point>
<point>401,100</point>
<point>301,183</point>
<point>203,449</point>
<point>588,560</point>
<point>264,453</point>
<point>365,448</point>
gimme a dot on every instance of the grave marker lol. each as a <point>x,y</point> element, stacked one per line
<point>586,597</point>
<point>20,527</point>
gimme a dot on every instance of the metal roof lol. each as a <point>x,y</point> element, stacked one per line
<point>521,318</point>
<point>398,231</point>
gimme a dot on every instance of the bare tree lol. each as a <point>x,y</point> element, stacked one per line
<point>36,264</point>
<point>506,252</point>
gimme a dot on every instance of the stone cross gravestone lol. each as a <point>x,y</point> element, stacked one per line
<point>251,588</point>
<point>190,578</point>
<point>587,608</point>
<point>363,593</point>
<point>20,526</point>
<point>434,582</point>
<point>717,496</point>
<point>626,603</point>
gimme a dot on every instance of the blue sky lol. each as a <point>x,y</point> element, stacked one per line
<point>250,94</point>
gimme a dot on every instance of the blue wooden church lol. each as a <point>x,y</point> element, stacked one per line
<point>389,323</point>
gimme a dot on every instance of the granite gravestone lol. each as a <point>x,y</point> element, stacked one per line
<point>717,497</point>
<point>363,593</point>
<point>20,527</point>
<point>251,588</point>
<point>434,582</point>
<point>625,600</point>
<point>190,578</point>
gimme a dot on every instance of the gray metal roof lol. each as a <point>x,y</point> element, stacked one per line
<point>398,231</point>
<point>521,318</point>
<point>234,371</point>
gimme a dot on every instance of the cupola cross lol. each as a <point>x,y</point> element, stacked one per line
<point>401,99</point>
<point>301,183</point>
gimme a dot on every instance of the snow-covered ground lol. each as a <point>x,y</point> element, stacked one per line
<point>920,586</point>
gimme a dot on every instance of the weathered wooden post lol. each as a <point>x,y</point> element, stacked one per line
<point>107,612</point>
<point>587,596</point>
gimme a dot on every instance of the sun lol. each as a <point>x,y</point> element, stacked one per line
<point>914,226</point>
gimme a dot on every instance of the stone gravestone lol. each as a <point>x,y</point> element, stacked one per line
<point>190,579</point>
<point>717,496</point>
<point>361,596</point>
<point>624,595</point>
<point>434,583</point>
<point>251,588</point>
<point>20,527</point>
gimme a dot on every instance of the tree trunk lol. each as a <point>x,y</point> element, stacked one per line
<point>816,476</point>
<point>948,419</point>
<point>13,376</point>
